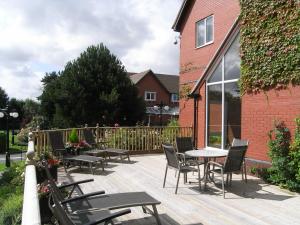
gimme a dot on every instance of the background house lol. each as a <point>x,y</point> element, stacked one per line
<point>158,91</point>
<point>210,66</point>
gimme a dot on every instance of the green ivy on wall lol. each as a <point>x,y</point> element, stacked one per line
<point>269,44</point>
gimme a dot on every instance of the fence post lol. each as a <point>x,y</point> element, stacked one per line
<point>38,140</point>
<point>97,133</point>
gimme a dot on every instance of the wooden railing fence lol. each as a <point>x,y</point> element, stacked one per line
<point>138,140</point>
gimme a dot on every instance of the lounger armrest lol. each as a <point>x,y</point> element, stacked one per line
<point>110,217</point>
<point>82,197</point>
<point>75,183</point>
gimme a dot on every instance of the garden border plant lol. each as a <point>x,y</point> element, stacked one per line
<point>285,156</point>
<point>11,194</point>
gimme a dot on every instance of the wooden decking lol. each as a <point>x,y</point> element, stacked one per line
<point>251,203</point>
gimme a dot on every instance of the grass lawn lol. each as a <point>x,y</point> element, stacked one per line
<point>2,167</point>
<point>16,147</point>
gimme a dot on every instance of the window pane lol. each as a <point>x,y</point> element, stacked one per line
<point>217,74</point>
<point>232,113</point>
<point>214,115</point>
<point>232,61</point>
<point>200,33</point>
<point>209,29</point>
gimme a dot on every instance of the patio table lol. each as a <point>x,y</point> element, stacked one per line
<point>206,154</point>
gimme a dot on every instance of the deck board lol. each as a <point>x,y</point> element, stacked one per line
<point>253,203</point>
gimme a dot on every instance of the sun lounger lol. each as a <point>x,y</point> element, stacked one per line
<point>98,200</point>
<point>87,218</point>
<point>89,138</point>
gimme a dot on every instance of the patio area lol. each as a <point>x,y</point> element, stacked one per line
<point>254,202</point>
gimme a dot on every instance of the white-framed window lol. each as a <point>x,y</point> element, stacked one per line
<point>150,96</point>
<point>205,31</point>
<point>223,101</point>
<point>174,97</point>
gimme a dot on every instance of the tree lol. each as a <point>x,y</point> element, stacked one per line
<point>94,88</point>
<point>3,98</point>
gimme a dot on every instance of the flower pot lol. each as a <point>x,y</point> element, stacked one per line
<point>41,175</point>
<point>45,211</point>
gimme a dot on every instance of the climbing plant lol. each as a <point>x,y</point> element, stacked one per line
<point>184,91</point>
<point>269,44</point>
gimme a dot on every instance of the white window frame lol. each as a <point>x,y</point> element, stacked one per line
<point>172,97</point>
<point>213,32</point>
<point>222,82</point>
<point>151,93</point>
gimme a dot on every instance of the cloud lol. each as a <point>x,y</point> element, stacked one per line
<point>40,36</point>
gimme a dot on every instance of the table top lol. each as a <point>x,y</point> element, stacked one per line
<point>209,153</point>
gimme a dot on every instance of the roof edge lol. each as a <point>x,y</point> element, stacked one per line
<point>179,15</point>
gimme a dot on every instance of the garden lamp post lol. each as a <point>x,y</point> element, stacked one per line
<point>161,107</point>
<point>6,113</point>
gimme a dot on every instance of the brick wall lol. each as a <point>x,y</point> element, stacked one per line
<point>150,83</point>
<point>259,113</point>
<point>194,61</point>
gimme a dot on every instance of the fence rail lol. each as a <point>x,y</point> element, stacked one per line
<point>31,208</point>
<point>137,140</point>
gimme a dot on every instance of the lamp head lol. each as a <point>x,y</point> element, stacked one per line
<point>14,114</point>
<point>155,107</point>
<point>2,114</point>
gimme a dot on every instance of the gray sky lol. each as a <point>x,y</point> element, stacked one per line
<point>38,36</point>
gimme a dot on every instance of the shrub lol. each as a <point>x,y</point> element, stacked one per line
<point>279,145</point>
<point>73,138</point>
<point>11,211</point>
<point>294,155</point>
<point>22,136</point>
<point>11,194</point>
<point>285,169</point>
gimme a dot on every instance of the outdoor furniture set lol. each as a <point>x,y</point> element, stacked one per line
<point>95,207</point>
<point>92,158</point>
<point>184,158</point>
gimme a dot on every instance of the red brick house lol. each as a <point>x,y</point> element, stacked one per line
<point>160,92</point>
<point>210,66</point>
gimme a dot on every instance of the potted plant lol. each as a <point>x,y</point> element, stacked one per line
<point>73,138</point>
<point>53,164</point>
<point>43,193</point>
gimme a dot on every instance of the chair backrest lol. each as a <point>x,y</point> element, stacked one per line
<point>56,140</point>
<point>235,158</point>
<point>239,142</point>
<point>184,144</point>
<point>89,137</point>
<point>55,190</point>
<point>171,156</point>
<point>59,212</point>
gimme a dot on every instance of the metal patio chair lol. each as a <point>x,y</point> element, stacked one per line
<point>179,166</point>
<point>241,142</point>
<point>233,163</point>
<point>184,144</point>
